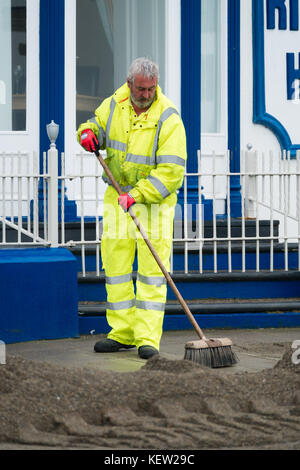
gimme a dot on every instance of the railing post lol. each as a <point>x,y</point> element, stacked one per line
<point>250,166</point>
<point>52,131</point>
<point>2,352</point>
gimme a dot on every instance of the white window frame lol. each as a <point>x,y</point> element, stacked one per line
<point>173,51</point>
<point>28,141</point>
<point>172,83</point>
<point>214,154</point>
<point>218,141</point>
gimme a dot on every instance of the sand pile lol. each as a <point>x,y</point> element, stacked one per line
<point>165,405</point>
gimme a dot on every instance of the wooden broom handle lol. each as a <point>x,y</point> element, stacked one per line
<point>153,251</point>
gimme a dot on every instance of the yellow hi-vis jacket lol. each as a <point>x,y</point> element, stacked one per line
<point>147,153</point>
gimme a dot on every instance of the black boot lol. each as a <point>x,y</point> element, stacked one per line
<point>110,345</point>
<point>145,352</point>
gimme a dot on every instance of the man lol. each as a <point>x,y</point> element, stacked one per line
<point>145,144</point>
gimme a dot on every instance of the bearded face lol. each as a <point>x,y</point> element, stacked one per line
<point>142,91</point>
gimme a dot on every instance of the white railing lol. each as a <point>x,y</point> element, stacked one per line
<point>20,202</point>
<point>269,191</point>
<point>87,188</point>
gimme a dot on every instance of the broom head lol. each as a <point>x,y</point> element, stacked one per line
<point>212,352</point>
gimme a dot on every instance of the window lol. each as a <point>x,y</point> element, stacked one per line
<point>210,67</point>
<point>94,54</point>
<point>13,65</point>
<point>109,35</point>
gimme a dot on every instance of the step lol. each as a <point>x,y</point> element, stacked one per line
<point>220,228</point>
<point>253,257</point>
<point>210,306</point>
<point>73,230</point>
<point>261,313</point>
<point>222,285</point>
<point>217,300</point>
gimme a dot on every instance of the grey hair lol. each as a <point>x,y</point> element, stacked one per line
<point>145,67</point>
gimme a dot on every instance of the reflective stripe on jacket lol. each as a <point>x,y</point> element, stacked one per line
<point>146,152</point>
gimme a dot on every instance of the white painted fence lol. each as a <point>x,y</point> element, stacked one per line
<point>20,181</point>
<point>270,190</point>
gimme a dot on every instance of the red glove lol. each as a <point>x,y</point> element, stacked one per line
<point>125,201</point>
<point>89,141</point>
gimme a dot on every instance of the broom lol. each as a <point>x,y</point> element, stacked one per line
<point>210,352</point>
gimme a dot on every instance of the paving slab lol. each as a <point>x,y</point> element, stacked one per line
<point>256,349</point>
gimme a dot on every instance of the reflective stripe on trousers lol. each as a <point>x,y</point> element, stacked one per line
<point>135,318</point>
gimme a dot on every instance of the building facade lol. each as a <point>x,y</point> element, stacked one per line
<point>232,67</point>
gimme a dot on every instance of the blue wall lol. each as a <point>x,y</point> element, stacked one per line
<point>191,89</point>
<point>52,70</point>
<point>52,88</point>
<point>38,294</point>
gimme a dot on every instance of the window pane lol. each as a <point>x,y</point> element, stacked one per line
<point>110,34</point>
<point>13,65</point>
<point>95,68</point>
<point>210,66</point>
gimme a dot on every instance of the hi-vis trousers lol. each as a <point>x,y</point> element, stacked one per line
<point>136,318</point>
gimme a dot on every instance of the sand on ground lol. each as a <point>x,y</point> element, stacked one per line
<point>167,404</point>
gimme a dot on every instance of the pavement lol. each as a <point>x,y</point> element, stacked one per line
<point>256,349</point>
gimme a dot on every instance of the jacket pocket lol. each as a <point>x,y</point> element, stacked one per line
<point>133,172</point>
